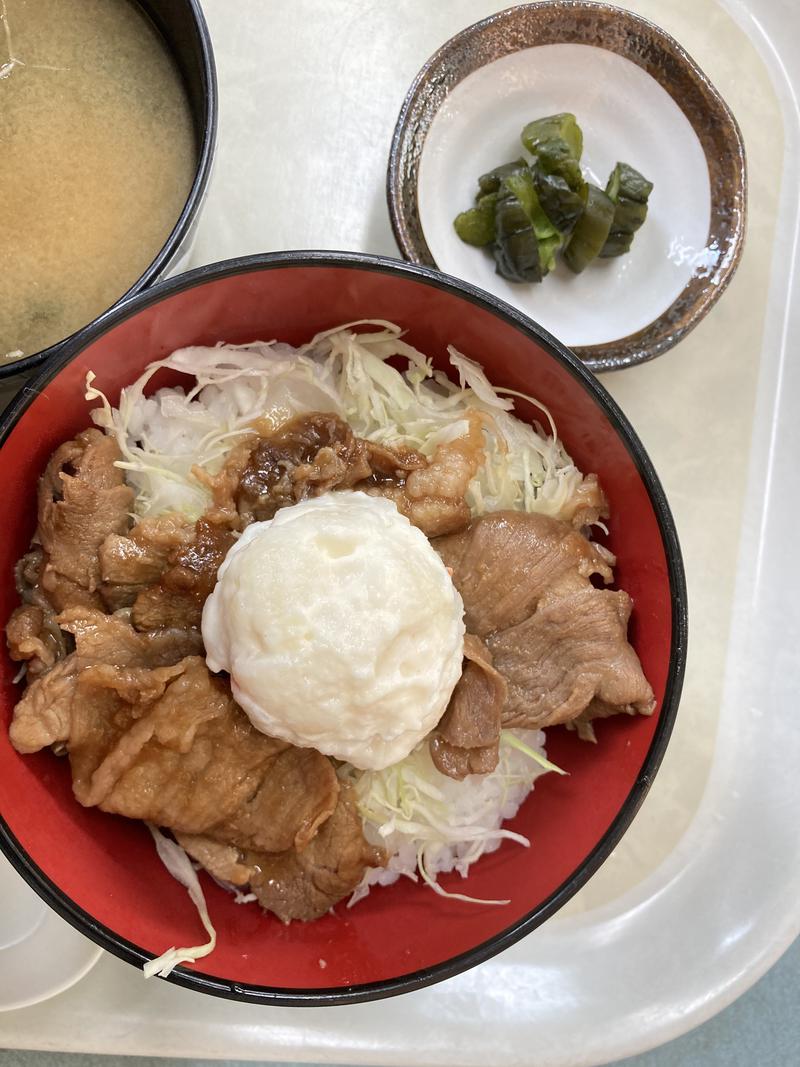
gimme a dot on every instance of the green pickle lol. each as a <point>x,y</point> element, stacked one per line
<point>528,212</point>
<point>628,183</point>
<point>563,127</point>
<point>516,248</point>
<point>561,204</point>
<point>476,226</point>
<point>628,190</point>
<point>526,241</point>
<point>553,157</point>
<point>556,143</point>
<point>522,185</point>
<point>490,183</point>
<point>617,244</point>
<point>516,252</point>
<point>628,215</point>
<point>591,231</point>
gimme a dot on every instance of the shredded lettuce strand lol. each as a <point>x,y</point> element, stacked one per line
<point>179,866</point>
<point>430,823</point>
<point>162,437</point>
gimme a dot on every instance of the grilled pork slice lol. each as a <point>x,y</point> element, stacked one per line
<point>559,643</point>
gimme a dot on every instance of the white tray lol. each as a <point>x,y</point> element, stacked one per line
<point>700,898</point>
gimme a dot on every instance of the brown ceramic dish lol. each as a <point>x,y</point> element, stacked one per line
<point>453,104</point>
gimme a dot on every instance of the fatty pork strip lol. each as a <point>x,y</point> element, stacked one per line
<point>316,453</point>
<point>559,643</point>
<point>167,743</point>
<point>467,739</point>
<point>150,733</point>
<point>82,500</point>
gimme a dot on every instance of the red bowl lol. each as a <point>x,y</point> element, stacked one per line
<point>101,872</point>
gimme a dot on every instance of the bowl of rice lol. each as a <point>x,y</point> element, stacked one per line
<point>457,860</point>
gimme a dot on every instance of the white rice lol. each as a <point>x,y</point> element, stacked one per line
<point>419,814</point>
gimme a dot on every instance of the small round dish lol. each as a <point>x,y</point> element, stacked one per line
<point>638,97</point>
<point>40,954</point>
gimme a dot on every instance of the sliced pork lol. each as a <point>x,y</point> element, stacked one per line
<point>170,746</point>
<point>130,563</point>
<point>572,650</point>
<point>467,739</point>
<point>296,884</point>
<point>560,643</point>
<point>43,716</point>
<point>111,639</point>
<point>505,561</point>
<point>224,862</point>
<point>586,505</point>
<point>305,884</point>
<point>224,485</point>
<point>82,499</point>
<point>316,453</point>
<point>306,456</point>
<point>177,598</point>
<point>33,639</point>
<point>433,497</point>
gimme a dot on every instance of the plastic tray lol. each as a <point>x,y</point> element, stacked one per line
<point>700,897</point>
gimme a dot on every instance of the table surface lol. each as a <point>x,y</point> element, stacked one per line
<point>762,1028</point>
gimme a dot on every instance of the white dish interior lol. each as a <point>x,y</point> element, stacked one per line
<point>625,115</point>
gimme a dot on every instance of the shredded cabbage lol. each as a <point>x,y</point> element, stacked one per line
<point>431,823</point>
<point>164,436</point>
<point>179,866</point>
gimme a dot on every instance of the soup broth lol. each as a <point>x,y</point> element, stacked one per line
<point>97,157</point>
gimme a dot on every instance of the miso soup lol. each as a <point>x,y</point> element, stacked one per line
<point>97,157</point>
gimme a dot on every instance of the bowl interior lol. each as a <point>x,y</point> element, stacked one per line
<point>105,867</point>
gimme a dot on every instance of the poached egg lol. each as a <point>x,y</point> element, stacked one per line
<point>340,627</point>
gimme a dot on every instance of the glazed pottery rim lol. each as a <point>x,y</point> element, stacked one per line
<point>446,68</point>
<point>290,997</point>
<point>191,205</point>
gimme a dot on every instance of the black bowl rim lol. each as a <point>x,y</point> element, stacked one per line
<point>292,997</point>
<point>189,211</point>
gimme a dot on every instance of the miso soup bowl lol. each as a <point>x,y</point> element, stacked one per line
<point>182,26</point>
<point>101,873</point>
